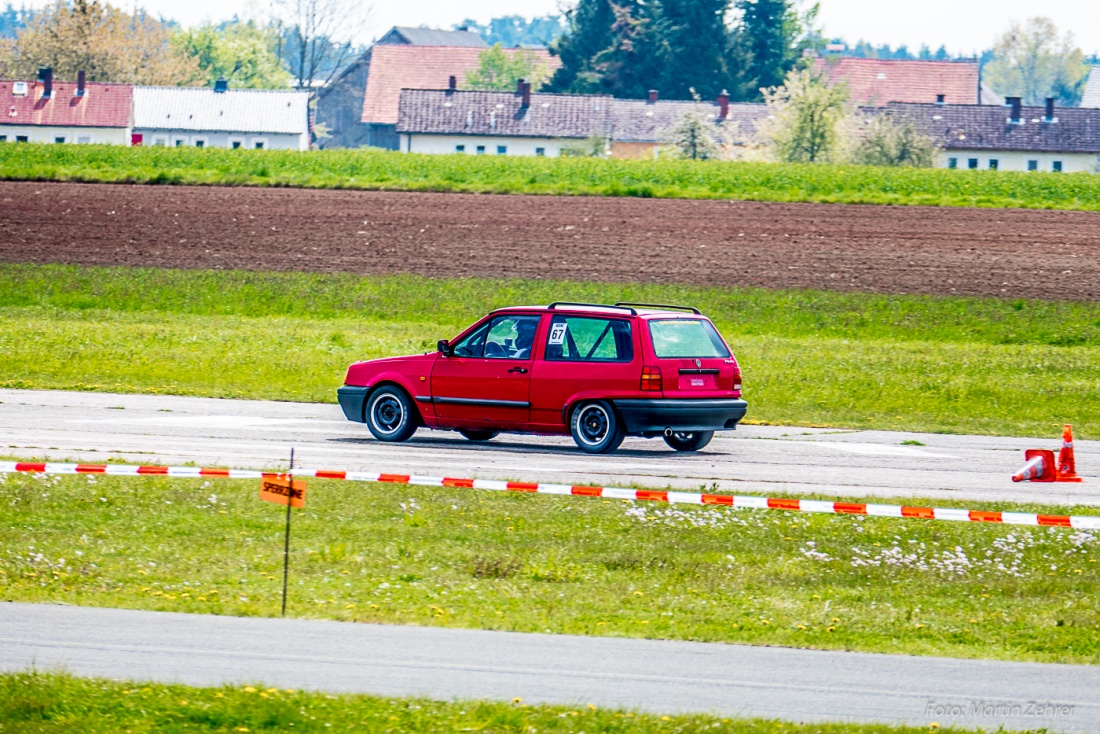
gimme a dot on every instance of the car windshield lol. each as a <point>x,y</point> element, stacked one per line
<point>690,338</point>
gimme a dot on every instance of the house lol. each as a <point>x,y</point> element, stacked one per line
<point>639,127</point>
<point>880,81</point>
<point>498,123</point>
<point>45,111</point>
<point>360,107</point>
<point>1091,96</point>
<point>1009,138</point>
<point>221,117</point>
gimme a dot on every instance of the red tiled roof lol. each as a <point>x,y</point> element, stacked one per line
<point>103,105</point>
<point>879,81</point>
<point>394,67</point>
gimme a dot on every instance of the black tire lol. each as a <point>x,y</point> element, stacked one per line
<point>390,415</point>
<point>596,428</point>
<point>478,435</point>
<point>689,440</point>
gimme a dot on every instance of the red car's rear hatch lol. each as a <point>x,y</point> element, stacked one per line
<point>693,359</point>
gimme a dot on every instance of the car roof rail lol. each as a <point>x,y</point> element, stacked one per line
<point>619,306</point>
<point>665,306</point>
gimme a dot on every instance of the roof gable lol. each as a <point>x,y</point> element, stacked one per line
<point>393,68</point>
<point>103,105</point>
<point>236,110</point>
<point>432,37</point>
<point>987,127</point>
<point>879,81</point>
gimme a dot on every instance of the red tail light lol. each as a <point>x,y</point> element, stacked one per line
<point>651,379</point>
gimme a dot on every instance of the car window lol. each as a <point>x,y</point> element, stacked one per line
<point>505,337</point>
<point>692,338</point>
<point>584,339</point>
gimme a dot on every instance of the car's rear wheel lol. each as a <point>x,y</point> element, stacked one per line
<point>389,415</point>
<point>689,440</point>
<point>476,435</point>
<point>596,428</point>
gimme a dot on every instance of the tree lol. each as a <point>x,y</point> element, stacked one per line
<point>695,40</point>
<point>98,38</point>
<point>891,141</point>
<point>696,136</point>
<point>12,20</point>
<point>1034,62</point>
<point>499,70</point>
<point>589,34</point>
<point>807,119</point>
<point>511,31</point>
<point>316,37</point>
<point>776,35</point>
<point>241,52</point>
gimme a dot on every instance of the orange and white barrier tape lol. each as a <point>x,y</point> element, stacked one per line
<point>1084,522</point>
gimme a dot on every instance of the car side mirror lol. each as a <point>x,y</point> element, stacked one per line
<point>444,347</point>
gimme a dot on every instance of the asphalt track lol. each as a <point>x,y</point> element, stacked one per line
<point>647,675</point>
<point>767,460</point>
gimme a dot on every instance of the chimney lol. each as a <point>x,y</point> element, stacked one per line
<point>526,94</point>
<point>80,79</point>
<point>519,86</point>
<point>1050,111</point>
<point>723,105</point>
<point>1015,104</point>
<point>221,85</point>
<point>941,99</point>
<point>652,96</point>
<point>45,75</point>
<point>452,83</point>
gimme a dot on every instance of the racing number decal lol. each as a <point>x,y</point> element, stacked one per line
<point>557,333</point>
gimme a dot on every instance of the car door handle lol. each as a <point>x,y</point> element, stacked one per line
<point>520,370</point>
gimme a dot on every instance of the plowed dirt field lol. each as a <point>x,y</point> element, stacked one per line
<point>950,251</point>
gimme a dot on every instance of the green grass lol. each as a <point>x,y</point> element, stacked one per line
<point>362,169</point>
<point>809,358</point>
<point>531,563</point>
<point>42,703</point>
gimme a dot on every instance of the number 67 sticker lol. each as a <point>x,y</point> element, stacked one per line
<point>557,333</point>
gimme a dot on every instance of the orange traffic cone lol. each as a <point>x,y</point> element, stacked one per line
<point>1067,467</point>
<point>1040,467</point>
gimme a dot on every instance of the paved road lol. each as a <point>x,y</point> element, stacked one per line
<point>754,459</point>
<point>649,675</point>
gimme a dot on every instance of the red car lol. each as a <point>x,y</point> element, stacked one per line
<point>597,372</point>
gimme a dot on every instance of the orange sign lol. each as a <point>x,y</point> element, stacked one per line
<point>279,491</point>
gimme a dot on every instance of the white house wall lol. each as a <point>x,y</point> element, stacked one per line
<point>437,144</point>
<point>1017,161</point>
<point>50,134</point>
<point>189,138</point>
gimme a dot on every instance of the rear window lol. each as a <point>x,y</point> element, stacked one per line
<point>583,339</point>
<point>691,338</point>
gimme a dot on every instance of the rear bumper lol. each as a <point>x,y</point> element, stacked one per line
<point>706,414</point>
<point>352,400</point>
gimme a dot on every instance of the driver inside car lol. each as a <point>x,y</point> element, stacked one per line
<point>525,338</point>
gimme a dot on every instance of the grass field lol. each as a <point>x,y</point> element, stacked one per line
<point>530,563</point>
<point>45,703</point>
<point>809,358</point>
<point>362,169</point>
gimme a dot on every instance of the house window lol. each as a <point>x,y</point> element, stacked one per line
<point>84,140</point>
<point>200,143</point>
<point>3,138</point>
<point>160,142</point>
<point>994,164</point>
<point>259,144</point>
<point>59,139</point>
<point>972,163</point>
<point>481,150</point>
<point>540,151</point>
<point>1056,166</point>
<point>236,143</point>
<point>1033,165</point>
<point>180,142</point>
<point>460,149</point>
<point>21,138</point>
<point>502,150</point>
<point>952,162</point>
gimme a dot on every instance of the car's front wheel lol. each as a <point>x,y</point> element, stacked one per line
<point>475,435</point>
<point>389,415</point>
<point>689,440</point>
<point>596,428</point>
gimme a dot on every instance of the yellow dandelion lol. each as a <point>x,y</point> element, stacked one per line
<point>249,689</point>
<point>592,706</point>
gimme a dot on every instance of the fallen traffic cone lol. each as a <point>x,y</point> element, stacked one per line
<point>1067,467</point>
<point>1040,467</point>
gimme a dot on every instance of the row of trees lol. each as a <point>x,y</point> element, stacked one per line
<point>295,46</point>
